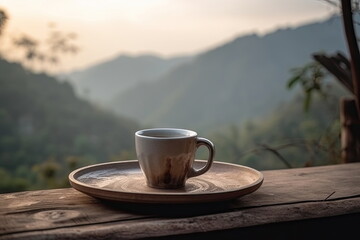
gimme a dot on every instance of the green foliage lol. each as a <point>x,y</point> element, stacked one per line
<point>9,183</point>
<point>287,137</point>
<point>46,131</point>
<point>311,78</point>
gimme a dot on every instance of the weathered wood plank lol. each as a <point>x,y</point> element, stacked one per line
<point>37,210</point>
<point>286,195</point>
<point>306,184</point>
<point>142,228</point>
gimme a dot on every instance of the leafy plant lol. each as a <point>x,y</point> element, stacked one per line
<point>311,79</point>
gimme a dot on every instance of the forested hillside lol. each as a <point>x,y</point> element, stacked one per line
<point>45,131</point>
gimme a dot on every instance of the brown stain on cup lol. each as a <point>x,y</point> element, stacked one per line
<point>167,174</point>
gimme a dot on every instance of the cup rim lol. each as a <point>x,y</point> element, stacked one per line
<point>186,133</point>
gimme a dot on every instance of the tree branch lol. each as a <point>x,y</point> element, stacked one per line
<point>277,154</point>
<point>339,66</point>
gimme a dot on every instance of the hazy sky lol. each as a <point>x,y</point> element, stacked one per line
<point>106,28</point>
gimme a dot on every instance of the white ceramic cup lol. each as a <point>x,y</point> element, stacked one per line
<point>166,156</point>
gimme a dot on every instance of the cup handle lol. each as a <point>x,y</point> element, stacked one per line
<point>210,146</point>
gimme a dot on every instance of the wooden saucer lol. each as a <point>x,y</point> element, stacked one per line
<point>123,181</point>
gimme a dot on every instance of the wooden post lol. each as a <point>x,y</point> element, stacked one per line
<point>350,126</point>
<point>353,47</point>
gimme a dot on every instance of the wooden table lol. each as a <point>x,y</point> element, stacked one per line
<point>291,204</point>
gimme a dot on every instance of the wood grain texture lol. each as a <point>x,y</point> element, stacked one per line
<point>286,195</point>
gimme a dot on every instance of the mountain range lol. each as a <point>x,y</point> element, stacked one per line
<point>101,82</point>
<point>242,79</point>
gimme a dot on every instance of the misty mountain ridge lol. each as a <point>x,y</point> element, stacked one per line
<point>242,79</point>
<point>101,82</point>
